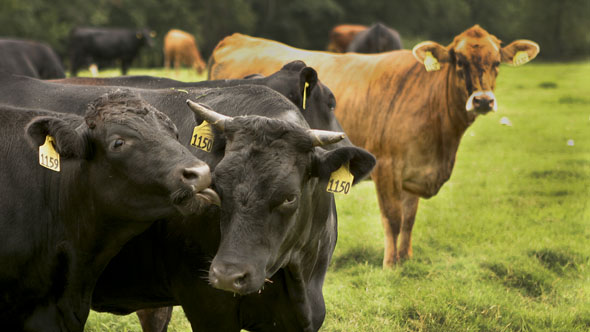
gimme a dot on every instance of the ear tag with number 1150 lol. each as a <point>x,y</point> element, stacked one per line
<point>202,137</point>
<point>340,180</point>
<point>48,157</point>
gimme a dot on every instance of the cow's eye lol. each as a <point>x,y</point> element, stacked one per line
<point>118,143</point>
<point>290,200</point>
<point>461,63</point>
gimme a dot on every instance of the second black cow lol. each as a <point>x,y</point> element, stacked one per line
<point>103,45</point>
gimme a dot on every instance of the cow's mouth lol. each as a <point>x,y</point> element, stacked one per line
<point>188,201</point>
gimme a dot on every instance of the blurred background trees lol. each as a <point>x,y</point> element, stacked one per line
<point>562,28</point>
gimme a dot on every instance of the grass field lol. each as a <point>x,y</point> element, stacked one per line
<point>503,247</point>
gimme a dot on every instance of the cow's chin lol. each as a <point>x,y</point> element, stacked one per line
<point>187,201</point>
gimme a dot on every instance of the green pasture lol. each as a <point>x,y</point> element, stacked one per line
<point>504,246</point>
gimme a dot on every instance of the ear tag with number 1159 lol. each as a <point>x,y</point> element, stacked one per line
<point>202,137</point>
<point>48,157</point>
<point>340,180</point>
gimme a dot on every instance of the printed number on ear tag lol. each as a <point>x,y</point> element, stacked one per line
<point>520,58</point>
<point>48,157</point>
<point>340,180</point>
<point>430,62</point>
<point>305,94</point>
<point>202,137</point>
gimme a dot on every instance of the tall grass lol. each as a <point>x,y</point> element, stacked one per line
<point>503,247</point>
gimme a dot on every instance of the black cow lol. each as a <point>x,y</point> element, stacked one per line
<point>290,81</point>
<point>164,266</point>
<point>120,167</point>
<point>277,235</point>
<point>29,58</point>
<point>378,38</point>
<point>104,45</point>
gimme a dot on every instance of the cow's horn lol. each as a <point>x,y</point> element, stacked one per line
<point>209,115</point>
<point>324,137</point>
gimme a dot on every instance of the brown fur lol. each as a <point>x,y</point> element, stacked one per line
<point>342,35</point>
<point>410,119</point>
<point>180,47</point>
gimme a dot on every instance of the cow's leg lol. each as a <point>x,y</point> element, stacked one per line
<point>155,320</point>
<point>387,181</point>
<point>177,63</point>
<point>167,62</point>
<point>125,64</point>
<point>410,207</point>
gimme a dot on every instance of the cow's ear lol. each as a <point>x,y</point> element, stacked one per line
<point>519,52</point>
<point>70,142</point>
<point>437,50</point>
<point>308,79</point>
<point>360,162</point>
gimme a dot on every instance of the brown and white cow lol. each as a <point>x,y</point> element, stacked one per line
<point>341,36</point>
<point>180,47</point>
<point>411,119</point>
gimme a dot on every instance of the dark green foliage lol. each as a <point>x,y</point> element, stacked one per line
<point>563,33</point>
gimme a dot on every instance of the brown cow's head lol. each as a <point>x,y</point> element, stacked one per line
<point>475,56</point>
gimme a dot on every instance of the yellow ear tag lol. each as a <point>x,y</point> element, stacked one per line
<point>48,157</point>
<point>430,62</point>
<point>305,93</point>
<point>202,137</point>
<point>340,180</point>
<point>520,58</point>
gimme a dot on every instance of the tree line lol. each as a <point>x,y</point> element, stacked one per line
<point>562,28</point>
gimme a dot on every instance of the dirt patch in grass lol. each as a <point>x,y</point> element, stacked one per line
<point>357,255</point>
<point>547,85</point>
<point>554,174</point>
<point>558,260</point>
<point>528,283</point>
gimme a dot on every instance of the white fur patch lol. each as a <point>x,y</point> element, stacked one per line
<point>490,94</point>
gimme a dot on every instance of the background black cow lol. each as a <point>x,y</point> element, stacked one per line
<point>30,58</point>
<point>87,45</point>
<point>120,168</point>
<point>378,38</point>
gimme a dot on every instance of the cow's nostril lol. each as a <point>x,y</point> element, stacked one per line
<point>240,281</point>
<point>189,174</point>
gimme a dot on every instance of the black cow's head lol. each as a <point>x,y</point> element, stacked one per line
<point>270,172</point>
<point>297,82</point>
<point>146,36</point>
<point>128,152</point>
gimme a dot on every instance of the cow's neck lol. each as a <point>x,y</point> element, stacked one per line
<point>89,238</point>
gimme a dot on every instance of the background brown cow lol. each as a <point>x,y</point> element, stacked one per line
<point>180,47</point>
<point>342,35</point>
<point>411,119</point>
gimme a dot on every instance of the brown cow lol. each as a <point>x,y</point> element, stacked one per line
<point>180,46</point>
<point>342,35</point>
<point>412,120</point>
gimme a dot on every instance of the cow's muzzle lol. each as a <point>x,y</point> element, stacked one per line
<point>194,192</point>
<point>482,102</point>
<point>235,278</point>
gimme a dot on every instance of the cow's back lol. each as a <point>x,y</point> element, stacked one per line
<point>366,91</point>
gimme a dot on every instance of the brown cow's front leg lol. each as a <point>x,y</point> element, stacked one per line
<point>155,320</point>
<point>410,207</point>
<point>390,203</point>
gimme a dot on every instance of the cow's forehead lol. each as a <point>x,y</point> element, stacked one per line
<point>476,40</point>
